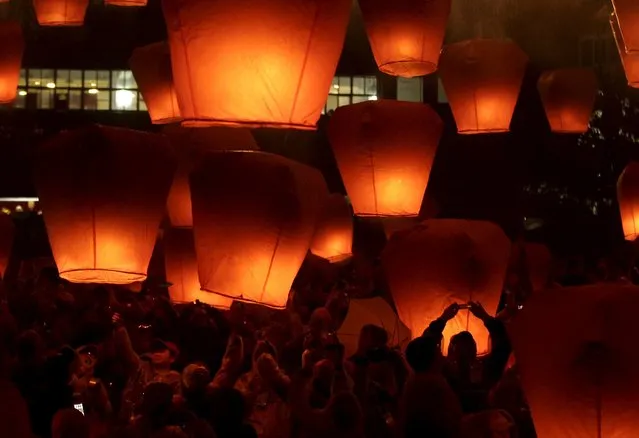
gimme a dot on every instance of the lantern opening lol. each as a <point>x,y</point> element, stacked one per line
<point>408,69</point>
<point>91,275</point>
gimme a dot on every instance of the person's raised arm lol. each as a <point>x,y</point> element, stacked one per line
<point>436,328</point>
<point>123,344</point>
<point>230,370</point>
<point>312,419</point>
<point>496,360</point>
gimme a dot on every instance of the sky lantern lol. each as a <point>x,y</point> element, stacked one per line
<point>151,67</point>
<point>181,270</point>
<point>568,96</point>
<point>482,79</point>
<point>385,150</point>
<point>626,16</point>
<point>7,232</point>
<point>130,3</point>
<point>628,199</point>
<point>629,60</point>
<point>60,12</point>
<point>578,361</point>
<point>254,63</point>
<point>333,239</point>
<point>190,144</point>
<point>254,217</point>
<point>103,191</point>
<point>444,261</point>
<point>406,35</point>
<point>11,49</point>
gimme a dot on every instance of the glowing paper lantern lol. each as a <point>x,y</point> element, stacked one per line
<point>578,359</point>
<point>181,271</point>
<point>406,35</point>
<point>254,63</point>
<point>446,261</point>
<point>568,96</point>
<point>130,3</point>
<point>629,60</point>
<point>60,12</point>
<point>628,199</point>
<point>7,232</point>
<point>384,150</point>
<point>151,66</point>
<point>333,239</point>
<point>626,16</point>
<point>190,145</point>
<point>254,216</point>
<point>11,49</point>
<point>103,191</point>
<point>482,79</point>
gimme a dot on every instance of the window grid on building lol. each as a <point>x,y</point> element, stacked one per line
<point>89,90</point>
<point>346,90</point>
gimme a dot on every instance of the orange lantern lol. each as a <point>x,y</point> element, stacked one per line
<point>482,79</point>
<point>333,238</point>
<point>577,357</point>
<point>181,271</point>
<point>446,261</point>
<point>406,35</point>
<point>151,66</point>
<point>385,150</point>
<point>7,231</point>
<point>11,50</point>
<point>60,12</point>
<point>254,216</point>
<point>628,199</point>
<point>254,63</point>
<point>190,144</point>
<point>626,16</point>
<point>103,191</point>
<point>629,60</point>
<point>568,96</point>
<point>131,3</point>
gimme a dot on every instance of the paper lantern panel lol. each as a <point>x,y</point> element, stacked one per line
<point>630,61</point>
<point>568,96</point>
<point>406,35</point>
<point>385,150</point>
<point>254,216</point>
<point>626,14</point>
<point>333,239</point>
<point>190,144</point>
<point>103,192</point>
<point>578,360</point>
<point>60,12</point>
<point>11,50</point>
<point>151,67</point>
<point>482,79</point>
<point>181,271</point>
<point>628,200</point>
<point>254,63</point>
<point>446,261</point>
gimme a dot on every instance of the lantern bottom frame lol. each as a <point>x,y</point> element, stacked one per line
<point>166,120</point>
<point>335,258</point>
<point>101,276</point>
<point>409,68</point>
<point>483,131</point>
<point>56,23</point>
<point>241,299</point>
<point>202,298</point>
<point>570,131</point>
<point>125,3</point>
<point>207,123</point>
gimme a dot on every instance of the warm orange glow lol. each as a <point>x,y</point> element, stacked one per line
<point>445,261</point>
<point>577,359</point>
<point>482,79</point>
<point>7,231</point>
<point>333,238</point>
<point>626,15</point>
<point>11,49</point>
<point>630,61</point>
<point>133,3</point>
<point>628,199</point>
<point>568,96</point>
<point>406,35</point>
<point>60,12</point>
<point>103,191</point>
<point>385,150</point>
<point>254,216</point>
<point>190,145</point>
<point>151,66</point>
<point>181,271</point>
<point>254,63</point>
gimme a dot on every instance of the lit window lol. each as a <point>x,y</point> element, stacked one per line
<point>124,100</point>
<point>346,90</point>
<point>410,89</point>
<point>97,79</point>
<point>441,93</point>
<point>123,79</point>
<point>23,78</point>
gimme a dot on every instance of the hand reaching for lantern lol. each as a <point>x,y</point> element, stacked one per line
<point>450,312</point>
<point>478,310</point>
